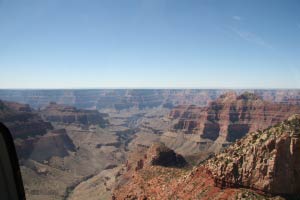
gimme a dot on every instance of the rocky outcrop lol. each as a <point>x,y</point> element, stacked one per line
<point>22,121</point>
<point>159,154</point>
<point>231,116</point>
<point>67,114</point>
<point>55,143</point>
<point>261,165</point>
<point>34,138</point>
<point>267,161</point>
<point>40,148</point>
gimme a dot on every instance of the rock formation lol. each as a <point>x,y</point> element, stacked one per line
<point>22,121</point>
<point>54,143</point>
<point>267,160</point>
<point>262,163</point>
<point>231,116</point>
<point>126,98</point>
<point>67,115</point>
<point>159,154</point>
<point>40,148</point>
<point>34,138</point>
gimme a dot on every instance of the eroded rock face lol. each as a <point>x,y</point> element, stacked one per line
<point>156,155</point>
<point>34,138</point>
<point>40,148</point>
<point>54,143</point>
<point>231,116</point>
<point>159,154</point>
<point>67,114</point>
<point>22,121</point>
<point>263,162</point>
<point>267,160</point>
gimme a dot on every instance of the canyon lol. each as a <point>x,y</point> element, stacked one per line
<point>230,116</point>
<point>263,160</point>
<point>262,165</point>
<point>127,98</point>
<point>88,144</point>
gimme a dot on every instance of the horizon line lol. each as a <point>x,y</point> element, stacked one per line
<point>152,88</point>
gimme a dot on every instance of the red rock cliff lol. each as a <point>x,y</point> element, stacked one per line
<point>263,162</point>
<point>267,161</point>
<point>231,116</point>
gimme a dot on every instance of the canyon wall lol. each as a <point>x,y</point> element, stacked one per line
<point>268,160</point>
<point>231,116</point>
<point>126,98</point>
<point>262,165</point>
<point>34,137</point>
<point>22,121</point>
<point>67,115</point>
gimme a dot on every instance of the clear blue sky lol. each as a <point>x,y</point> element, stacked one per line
<point>150,43</point>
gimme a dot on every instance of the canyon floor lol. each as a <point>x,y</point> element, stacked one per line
<point>99,154</point>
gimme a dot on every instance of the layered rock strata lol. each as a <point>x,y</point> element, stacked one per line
<point>267,160</point>
<point>261,165</point>
<point>22,121</point>
<point>230,116</point>
<point>67,115</point>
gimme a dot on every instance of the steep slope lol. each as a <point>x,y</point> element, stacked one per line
<point>40,148</point>
<point>159,154</point>
<point>267,161</point>
<point>67,114</point>
<point>231,116</point>
<point>22,121</point>
<point>34,138</point>
<point>263,162</point>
